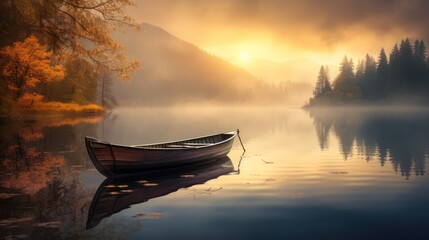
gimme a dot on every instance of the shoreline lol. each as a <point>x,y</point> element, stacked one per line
<point>52,110</point>
<point>370,107</point>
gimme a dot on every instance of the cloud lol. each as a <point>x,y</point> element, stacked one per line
<point>305,24</point>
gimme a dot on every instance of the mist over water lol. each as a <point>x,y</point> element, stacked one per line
<point>319,174</point>
<point>175,72</point>
<point>322,152</point>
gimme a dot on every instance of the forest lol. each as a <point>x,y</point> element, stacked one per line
<point>403,78</point>
<point>57,55</point>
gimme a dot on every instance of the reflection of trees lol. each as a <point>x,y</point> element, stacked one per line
<point>343,126</point>
<point>345,132</point>
<point>34,153</point>
<point>24,166</point>
<point>39,164</point>
<point>33,173</point>
<point>322,131</point>
<point>402,138</point>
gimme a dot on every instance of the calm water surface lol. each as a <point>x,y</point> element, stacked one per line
<point>326,174</point>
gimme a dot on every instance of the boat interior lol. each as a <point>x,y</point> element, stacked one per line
<point>191,143</point>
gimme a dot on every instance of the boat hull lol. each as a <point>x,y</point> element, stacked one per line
<point>112,159</point>
<point>116,194</point>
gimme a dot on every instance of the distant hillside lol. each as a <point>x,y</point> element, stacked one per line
<point>298,70</point>
<point>174,71</point>
<point>296,76</point>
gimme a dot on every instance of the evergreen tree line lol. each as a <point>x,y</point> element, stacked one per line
<point>404,77</point>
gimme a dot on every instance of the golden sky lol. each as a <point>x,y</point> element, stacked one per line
<point>280,30</point>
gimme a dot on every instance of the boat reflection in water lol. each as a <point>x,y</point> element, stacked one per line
<point>116,194</point>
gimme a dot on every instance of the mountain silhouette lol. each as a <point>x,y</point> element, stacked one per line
<point>174,72</point>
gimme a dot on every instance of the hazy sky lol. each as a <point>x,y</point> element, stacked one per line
<point>280,30</point>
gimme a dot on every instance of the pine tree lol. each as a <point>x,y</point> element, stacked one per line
<point>407,66</point>
<point>420,64</point>
<point>394,55</point>
<point>426,84</point>
<point>360,70</point>
<point>345,86</point>
<point>405,74</point>
<point>327,86</point>
<point>405,50</point>
<point>419,51</point>
<point>382,74</point>
<point>323,86</point>
<point>369,90</point>
<point>393,84</point>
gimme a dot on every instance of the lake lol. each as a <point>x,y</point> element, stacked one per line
<point>318,174</point>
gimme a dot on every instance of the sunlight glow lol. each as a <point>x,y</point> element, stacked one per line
<point>244,57</point>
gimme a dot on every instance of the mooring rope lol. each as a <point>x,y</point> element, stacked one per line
<point>238,133</point>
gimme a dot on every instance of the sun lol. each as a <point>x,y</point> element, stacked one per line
<point>244,57</point>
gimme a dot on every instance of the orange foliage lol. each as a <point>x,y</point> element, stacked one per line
<point>31,153</point>
<point>35,131</point>
<point>29,135</point>
<point>66,107</point>
<point>27,63</point>
<point>28,99</point>
<point>91,119</point>
<point>36,176</point>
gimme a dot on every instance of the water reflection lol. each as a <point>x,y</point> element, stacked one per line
<point>47,182</point>
<point>116,194</point>
<point>34,153</point>
<point>40,162</point>
<point>401,137</point>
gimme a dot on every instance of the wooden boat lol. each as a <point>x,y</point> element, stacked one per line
<point>114,159</point>
<point>116,194</point>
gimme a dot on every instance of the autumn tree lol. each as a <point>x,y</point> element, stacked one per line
<point>79,84</point>
<point>83,27</point>
<point>108,100</point>
<point>25,65</point>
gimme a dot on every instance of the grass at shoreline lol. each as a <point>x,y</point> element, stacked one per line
<point>40,110</point>
<point>59,107</point>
